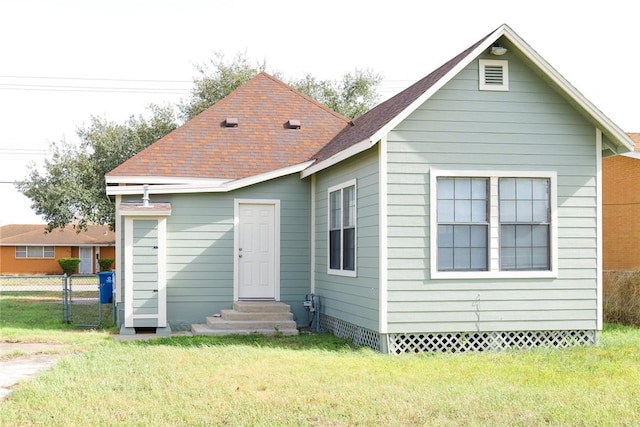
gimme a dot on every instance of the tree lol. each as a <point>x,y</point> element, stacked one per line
<point>353,96</point>
<point>72,189</point>
<point>218,79</point>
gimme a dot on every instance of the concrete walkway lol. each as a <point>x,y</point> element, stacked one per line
<point>22,361</point>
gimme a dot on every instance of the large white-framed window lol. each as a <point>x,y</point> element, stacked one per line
<point>493,224</point>
<point>342,213</point>
<point>35,252</point>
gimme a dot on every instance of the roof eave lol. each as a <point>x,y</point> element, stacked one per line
<point>212,186</point>
<point>338,157</point>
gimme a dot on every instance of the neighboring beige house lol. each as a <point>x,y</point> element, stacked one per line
<point>621,209</point>
<point>28,249</point>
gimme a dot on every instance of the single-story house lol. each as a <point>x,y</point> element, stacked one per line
<point>29,249</point>
<point>621,209</point>
<point>464,213</point>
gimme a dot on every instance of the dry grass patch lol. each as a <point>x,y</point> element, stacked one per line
<point>622,297</point>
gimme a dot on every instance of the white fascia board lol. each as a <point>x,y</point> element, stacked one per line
<point>162,180</point>
<point>206,187</point>
<point>438,85</point>
<point>556,77</point>
<point>340,156</point>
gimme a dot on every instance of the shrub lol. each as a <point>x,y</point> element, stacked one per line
<point>69,265</point>
<point>105,264</point>
<point>622,297</point>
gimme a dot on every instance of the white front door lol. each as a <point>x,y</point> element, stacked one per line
<point>257,250</point>
<point>86,261</point>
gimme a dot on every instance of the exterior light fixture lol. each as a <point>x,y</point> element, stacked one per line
<point>498,50</point>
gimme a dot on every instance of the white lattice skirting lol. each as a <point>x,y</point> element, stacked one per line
<point>483,341</point>
<point>342,329</point>
<point>457,342</point>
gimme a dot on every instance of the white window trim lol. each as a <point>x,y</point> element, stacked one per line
<point>494,225</point>
<point>26,252</point>
<point>483,63</point>
<point>346,273</point>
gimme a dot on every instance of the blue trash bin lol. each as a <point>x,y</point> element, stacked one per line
<point>106,286</point>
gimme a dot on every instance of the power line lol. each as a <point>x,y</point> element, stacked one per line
<point>96,79</point>
<point>101,89</point>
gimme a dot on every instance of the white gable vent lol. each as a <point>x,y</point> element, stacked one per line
<point>494,74</point>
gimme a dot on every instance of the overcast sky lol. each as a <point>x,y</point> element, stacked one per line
<point>63,61</point>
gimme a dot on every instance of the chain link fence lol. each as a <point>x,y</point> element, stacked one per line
<point>54,300</point>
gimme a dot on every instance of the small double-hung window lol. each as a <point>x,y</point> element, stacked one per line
<point>342,229</point>
<point>495,224</point>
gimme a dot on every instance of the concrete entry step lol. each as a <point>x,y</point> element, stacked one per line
<point>220,323</point>
<point>264,317</point>
<point>200,329</point>
<point>245,315</point>
<point>261,307</point>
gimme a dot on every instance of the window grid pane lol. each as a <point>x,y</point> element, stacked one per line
<point>21,251</point>
<point>335,210</point>
<point>34,251</point>
<point>349,208</point>
<point>462,247</point>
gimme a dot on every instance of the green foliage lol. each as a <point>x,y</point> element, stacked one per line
<point>69,265</point>
<point>353,96</point>
<point>217,79</point>
<point>72,189</point>
<point>105,263</point>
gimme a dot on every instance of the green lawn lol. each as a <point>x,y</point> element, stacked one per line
<point>321,380</point>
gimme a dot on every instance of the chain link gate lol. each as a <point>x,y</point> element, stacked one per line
<point>30,301</point>
<point>84,305</point>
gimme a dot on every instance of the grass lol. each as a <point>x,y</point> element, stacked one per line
<point>322,380</point>
<point>30,316</point>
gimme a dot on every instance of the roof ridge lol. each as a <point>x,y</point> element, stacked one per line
<point>306,97</point>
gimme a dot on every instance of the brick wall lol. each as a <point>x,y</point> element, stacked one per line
<point>621,213</point>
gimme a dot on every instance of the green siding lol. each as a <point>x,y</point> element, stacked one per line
<point>351,299</point>
<point>528,128</point>
<point>200,248</point>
